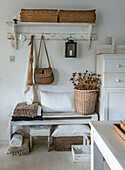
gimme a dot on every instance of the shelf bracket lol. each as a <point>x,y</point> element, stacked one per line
<point>13,37</point>
<point>113,45</point>
<point>89,36</point>
<point>14,41</point>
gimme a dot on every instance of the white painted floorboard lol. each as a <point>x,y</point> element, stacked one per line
<point>39,159</point>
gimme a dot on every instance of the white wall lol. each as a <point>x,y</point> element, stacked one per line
<point>110,20</point>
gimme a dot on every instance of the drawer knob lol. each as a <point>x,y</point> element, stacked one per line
<point>117,80</point>
<point>118,65</point>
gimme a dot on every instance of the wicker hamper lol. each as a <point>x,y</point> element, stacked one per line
<point>39,15</point>
<point>77,16</point>
<point>85,101</point>
<point>65,143</point>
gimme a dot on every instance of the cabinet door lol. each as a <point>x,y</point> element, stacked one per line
<point>114,107</point>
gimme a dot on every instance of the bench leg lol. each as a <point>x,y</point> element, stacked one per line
<point>31,143</point>
<point>10,131</point>
<point>48,143</point>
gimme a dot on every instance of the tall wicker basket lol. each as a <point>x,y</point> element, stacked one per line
<point>85,101</point>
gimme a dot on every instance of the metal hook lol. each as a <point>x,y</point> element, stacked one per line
<point>42,37</point>
<point>15,21</point>
<point>32,36</point>
<point>29,43</point>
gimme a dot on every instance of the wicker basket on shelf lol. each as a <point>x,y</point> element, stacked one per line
<point>39,15</point>
<point>77,16</point>
<point>85,101</point>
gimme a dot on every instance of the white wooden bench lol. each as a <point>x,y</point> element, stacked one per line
<point>55,119</point>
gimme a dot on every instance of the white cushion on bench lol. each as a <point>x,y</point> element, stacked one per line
<point>57,101</point>
<point>71,130</point>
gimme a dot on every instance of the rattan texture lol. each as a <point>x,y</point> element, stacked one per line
<point>65,143</point>
<point>85,101</point>
<point>77,16</point>
<point>39,15</point>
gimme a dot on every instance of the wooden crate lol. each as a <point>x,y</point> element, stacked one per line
<point>39,15</point>
<point>82,153</point>
<point>65,143</point>
<point>77,16</point>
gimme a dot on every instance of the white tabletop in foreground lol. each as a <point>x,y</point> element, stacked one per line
<point>110,144</point>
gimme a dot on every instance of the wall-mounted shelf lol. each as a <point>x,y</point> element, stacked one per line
<point>14,36</point>
<point>50,24</point>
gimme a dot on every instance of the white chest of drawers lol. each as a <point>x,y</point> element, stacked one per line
<point>112,93</point>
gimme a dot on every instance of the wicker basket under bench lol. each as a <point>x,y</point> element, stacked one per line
<point>65,143</point>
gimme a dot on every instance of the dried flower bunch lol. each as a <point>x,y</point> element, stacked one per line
<point>86,81</point>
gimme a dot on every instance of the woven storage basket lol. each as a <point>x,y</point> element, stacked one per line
<point>65,143</point>
<point>74,16</point>
<point>85,101</point>
<point>39,15</point>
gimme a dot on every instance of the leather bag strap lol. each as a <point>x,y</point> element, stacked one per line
<point>31,53</point>
<point>37,64</point>
<point>30,71</point>
<point>46,51</point>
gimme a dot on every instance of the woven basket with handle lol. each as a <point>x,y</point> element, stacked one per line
<point>85,101</point>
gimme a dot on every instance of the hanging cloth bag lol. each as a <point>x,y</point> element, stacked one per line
<point>43,76</point>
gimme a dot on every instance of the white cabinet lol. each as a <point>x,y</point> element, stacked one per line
<point>112,93</point>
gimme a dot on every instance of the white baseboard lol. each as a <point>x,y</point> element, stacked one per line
<point>4,142</point>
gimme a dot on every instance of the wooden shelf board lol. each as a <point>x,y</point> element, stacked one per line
<point>50,24</point>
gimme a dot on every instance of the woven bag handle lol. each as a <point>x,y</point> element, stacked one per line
<point>46,51</point>
<point>39,53</point>
<point>42,38</point>
<point>31,54</point>
<point>30,71</point>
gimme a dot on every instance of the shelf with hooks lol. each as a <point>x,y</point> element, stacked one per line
<point>15,35</point>
<point>50,24</point>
